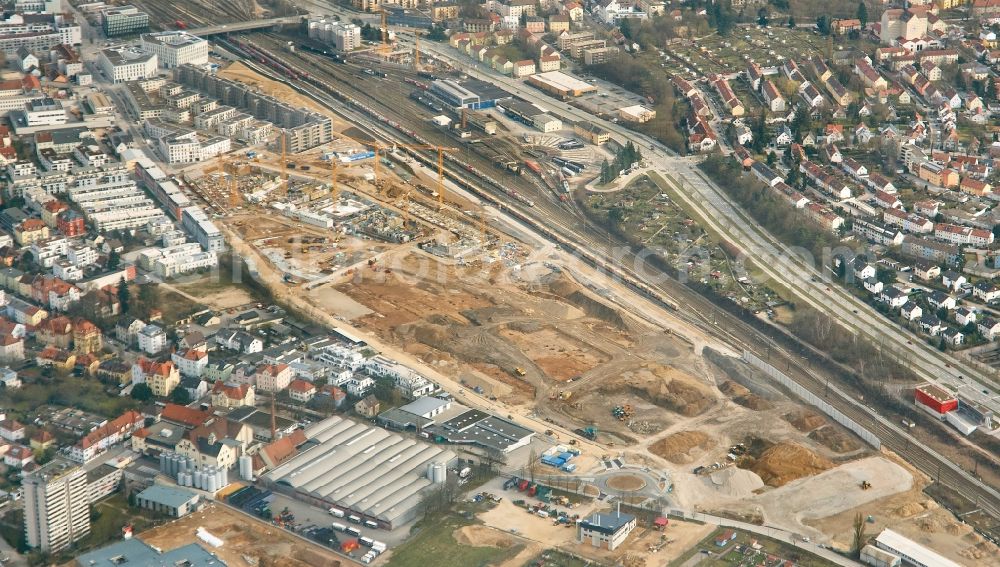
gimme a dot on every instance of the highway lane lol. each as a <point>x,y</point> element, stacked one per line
<point>807,280</point>
<point>728,325</point>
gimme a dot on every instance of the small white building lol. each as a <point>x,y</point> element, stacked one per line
<point>152,339</point>
<point>606,531</point>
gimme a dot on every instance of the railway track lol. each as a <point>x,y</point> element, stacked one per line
<point>612,257</point>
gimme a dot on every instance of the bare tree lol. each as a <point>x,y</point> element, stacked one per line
<point>859,535</point>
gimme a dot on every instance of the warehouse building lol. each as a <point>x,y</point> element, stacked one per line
<point>560,84</point>
<point>911,552</point>
<point>172,501</point>
<point>370,473</point>
<point>470,94</point>
<point>480,429</point>
<point>135,552</point>
<point>531,115</point>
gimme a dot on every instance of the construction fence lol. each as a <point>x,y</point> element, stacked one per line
<point>812,399</point>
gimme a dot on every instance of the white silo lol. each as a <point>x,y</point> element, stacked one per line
<point>223,477</point>
<point>199,479</point>
<point>246,467</point>
<point>211,482</point>
<point>163,463</point>
<point>439,473</point>
<point>430,472</point>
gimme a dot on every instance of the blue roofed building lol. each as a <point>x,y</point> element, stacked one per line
<point>135,552</point>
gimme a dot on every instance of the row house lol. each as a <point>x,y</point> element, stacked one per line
<point>963,235</point>
<point>879,182</point>
<point>869,75</point>
<point>854,168</point>
<point>792,72</point>
<point>975,187</point>
<point>930,250</point>
<point>907,221</point>
<point>729,98</point>
<point>793,197</point>
<point>775,102</point>
<point>840,95</point>
<point>826,218</point>
<point>109,435</point>
<point>887,201</point>
<point>877,233</point>
<point>811,95</point>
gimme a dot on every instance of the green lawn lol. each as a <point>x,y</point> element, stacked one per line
<point>435,545</point>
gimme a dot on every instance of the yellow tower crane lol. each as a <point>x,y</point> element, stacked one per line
<point>440,163</point>
<point>385,48</point>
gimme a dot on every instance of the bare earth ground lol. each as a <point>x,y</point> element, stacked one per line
<point>243,537</point>
<point>917,516</point>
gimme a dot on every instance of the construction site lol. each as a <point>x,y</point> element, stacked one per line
<point>360,232</point>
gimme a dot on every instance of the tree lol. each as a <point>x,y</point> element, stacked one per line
<point>862,14</point>
<point>605,172</point>
<point>791,21</point>
<point>762,17</point>
<point>147,296</point>
<point>823,25</point>
<point>142,392</point>
<point>859,535</point>
<point>180,396</point>
<point>625,26</point>
<point>124,295</point>
<point>114,258</point>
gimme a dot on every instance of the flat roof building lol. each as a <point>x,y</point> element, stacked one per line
<point>56,506</point>
<point>911,552</point>
<point>173,48</point>
<point>124,20</point>
<point>367,471</point>
<point>170,500</point>
<point>606,531</point>
<point>560,84</point>
<point>136,552</point>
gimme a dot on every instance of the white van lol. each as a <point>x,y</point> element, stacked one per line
<point>336,512</point>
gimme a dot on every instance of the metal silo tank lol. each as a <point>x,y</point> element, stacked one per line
<point>224,477</point>
<point>163,463</point>
<point>246,467</point>
<point>211,483</point>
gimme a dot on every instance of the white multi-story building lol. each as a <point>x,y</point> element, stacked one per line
<point>344,36</point>
<point>81,255</point>
<point>37,33</point>
<point>56,506</point>
<point>45,253</point>
<point>176,260</point>
<point>152,339</point>
<point>407,380</point>
<point>173,48</point>
<point>122,65</point>
<point>44,112</point>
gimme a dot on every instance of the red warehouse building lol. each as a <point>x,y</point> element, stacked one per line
<point>935,399</point>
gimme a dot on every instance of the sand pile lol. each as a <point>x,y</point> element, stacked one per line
<point>676,447</point>
<point>909,509</point>
<point>664,386</point>
<point>786,462</point>
<point>735,482</point>
<point>480,536</point>
<point>744,397</point>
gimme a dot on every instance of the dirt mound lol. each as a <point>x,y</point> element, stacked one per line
<point>738,483</point>
<point>744,397</point>
<point>676,446</point>
<point>664,386</point>
<point>573,295</point>
<point>805,420</point>
<point>835,439</point>
<point>479,536</point>
<point>909,509</point>
<point>786,462</point>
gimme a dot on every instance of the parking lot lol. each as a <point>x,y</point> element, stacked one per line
<point>312,522</point>
<point>607,99</point>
